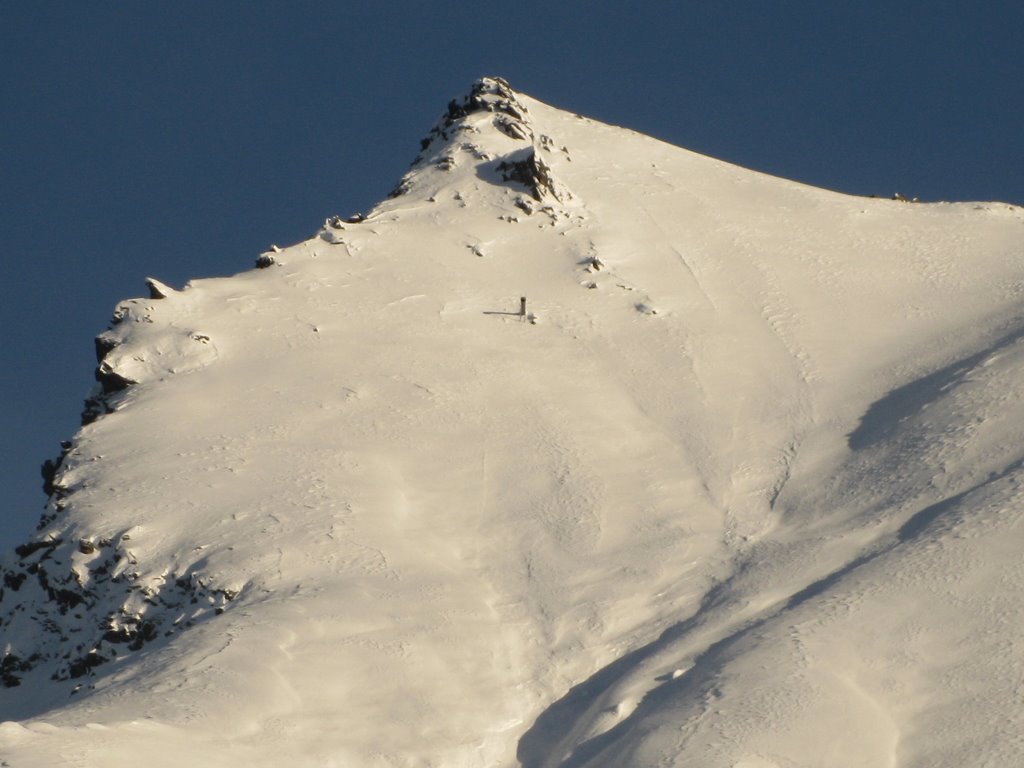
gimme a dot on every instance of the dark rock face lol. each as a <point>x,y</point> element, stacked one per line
<point>158,290</point>
<point>514,129</point>
<point>533,173</point>
<point>104,346</point>
<point>94,407</point>
<point>82,665</point>
<point>50,468</point>
<point>11,664</point>
<point>109,382</point>
<point>70,616</point>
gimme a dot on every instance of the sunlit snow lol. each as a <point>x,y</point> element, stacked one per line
<point>741,488</point>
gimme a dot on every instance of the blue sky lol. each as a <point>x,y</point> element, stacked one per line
<point>178,140</point>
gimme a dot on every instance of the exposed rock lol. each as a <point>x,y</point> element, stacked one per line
<point>533,173</point>
<point>136,348</point>
<point>105,344</point>
<point>101,603</point>
<point>403,187</point>
<point>9,665</point>
<point>524,205</point>
<point>14,581</point>
<point>95,405</point>
<point>492,110</point>
<point>110,380</point>
<point>29,549</point>
<point>82,666</point>
<point>158,290</point>
<point>488,94</point>
<point>51,466</point>
<point>511,128</point>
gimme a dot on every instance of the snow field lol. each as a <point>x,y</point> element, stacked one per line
<point>745,492</point>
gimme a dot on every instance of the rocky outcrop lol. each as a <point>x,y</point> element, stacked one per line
<point>71,601</point>
<point>136,348</point>
<point>534,174</point>
<point>68,605</point>
<point>489,130</point>
<point>488,94</point>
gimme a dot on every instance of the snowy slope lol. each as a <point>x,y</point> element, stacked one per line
<point>742,489</point>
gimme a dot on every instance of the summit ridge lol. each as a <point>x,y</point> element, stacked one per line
<point>487,128</point>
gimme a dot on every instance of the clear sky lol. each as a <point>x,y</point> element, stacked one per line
<point>180,139</point>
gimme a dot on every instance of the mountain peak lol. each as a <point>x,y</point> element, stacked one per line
<point>491,95</point>
<point>491,132</point>
<point>698,464</point>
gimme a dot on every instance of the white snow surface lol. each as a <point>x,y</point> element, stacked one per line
<point>742,490</point>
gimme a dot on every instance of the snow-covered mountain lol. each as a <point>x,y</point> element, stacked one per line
<point>740,486</point>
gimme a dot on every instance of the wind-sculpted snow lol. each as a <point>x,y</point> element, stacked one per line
<point>739,486</point>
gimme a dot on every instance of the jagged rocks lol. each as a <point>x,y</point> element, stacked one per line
<point>11,664</point>
<point>83,665</point>
<point>94,407</point>
<point>533,173</point>
<point>70,605</point>
<point>105,344</point>
<point>488,94</point>
<point>71,600</point>
<point>512,128</point>
<point>50,468</point>
<point>132,631</point>
<point>27,550</point>
<point>13,581</point>
<point>484,133</point>
<point>137,348</point>
<point>111,381</point>
<point>333,232</point>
